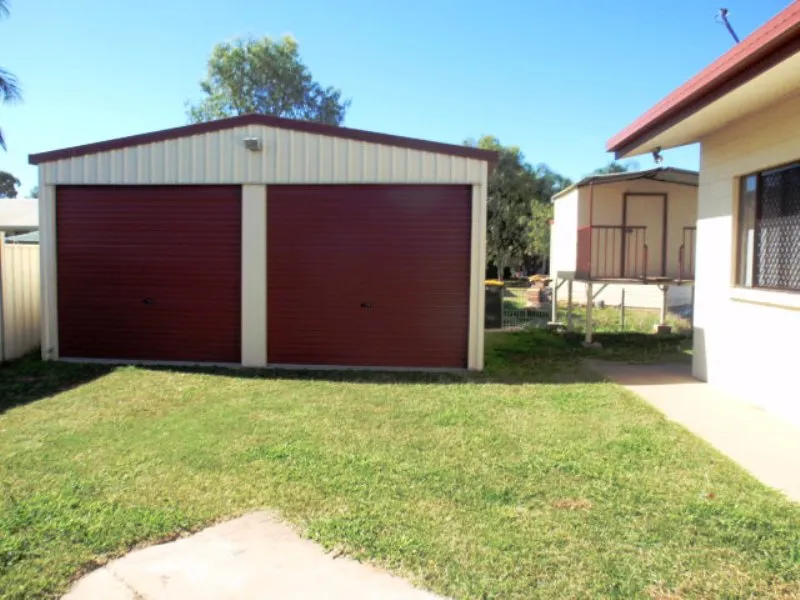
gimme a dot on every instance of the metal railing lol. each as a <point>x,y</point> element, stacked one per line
<point>612,252</point>
<point>686,254</point>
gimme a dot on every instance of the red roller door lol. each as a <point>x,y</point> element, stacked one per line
<point>368,275</point>
<point>149,272</point>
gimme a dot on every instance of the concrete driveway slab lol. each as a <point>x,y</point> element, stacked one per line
<point>761,442</point>
<point>253,557</point>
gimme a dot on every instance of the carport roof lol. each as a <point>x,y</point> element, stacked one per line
<point>268,121</point>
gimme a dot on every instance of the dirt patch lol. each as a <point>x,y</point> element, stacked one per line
<point>572,504</point>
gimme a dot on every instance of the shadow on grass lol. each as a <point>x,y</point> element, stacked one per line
<point>29,379</point>
<point>512,358</point>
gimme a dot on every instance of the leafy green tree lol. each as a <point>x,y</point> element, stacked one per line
<point>549,182</point>
<point>518,206</point>
<point>616,167</point>
<point>539,230</point>
<point>34,192</point>
<point>8,185</point>
<point>9,89</point>
<point>267,77</point>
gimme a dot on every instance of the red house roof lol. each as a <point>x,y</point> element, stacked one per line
<point>773,42</point>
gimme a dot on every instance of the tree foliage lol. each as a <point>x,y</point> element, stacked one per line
<point>9,89</point>
<point>518,205</point>
<point>539,230</point>
<point>34,193</point>
<point>8,185</point>
<point>616,167</point>
<point>267,77</point>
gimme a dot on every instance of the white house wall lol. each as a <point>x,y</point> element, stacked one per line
<point>287,157</point>
<point>744,338</point>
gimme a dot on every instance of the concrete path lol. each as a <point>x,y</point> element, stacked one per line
<point>249,558</point>
<point>765,445</point>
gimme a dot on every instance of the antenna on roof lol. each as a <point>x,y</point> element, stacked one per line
<point>722,16</point>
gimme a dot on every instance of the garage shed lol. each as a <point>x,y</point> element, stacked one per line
<point>263,241</point>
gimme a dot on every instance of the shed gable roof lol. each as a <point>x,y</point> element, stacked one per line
<point>663,174</point>
<point>276,122</point>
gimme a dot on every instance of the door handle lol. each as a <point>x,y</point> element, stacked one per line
<point>366,305</point>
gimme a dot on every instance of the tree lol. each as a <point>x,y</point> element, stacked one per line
<point>8,185</point>
<point>616,167</point>
<point>518,206</point>
<point>267,77</point>
<point>550,182</point>
<point>35,192</point>
<point>539,230</point>
<point>9,89</point>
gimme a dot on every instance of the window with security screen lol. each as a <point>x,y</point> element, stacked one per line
<point>769,229</point>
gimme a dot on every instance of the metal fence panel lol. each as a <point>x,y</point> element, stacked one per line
<point>520,313</point>
<point>19,300</point>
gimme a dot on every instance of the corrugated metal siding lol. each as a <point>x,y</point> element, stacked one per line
<point>287,157</point>
<point>149,273</point>
<point>402,250</point>
<point>20,300</point>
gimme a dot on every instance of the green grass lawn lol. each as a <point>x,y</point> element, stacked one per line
<point>533,480</point>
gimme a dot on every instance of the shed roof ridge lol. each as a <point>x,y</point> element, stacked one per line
<point>267,121</point>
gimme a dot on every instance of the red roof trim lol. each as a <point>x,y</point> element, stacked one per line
<point>773,42</point>
<point>279,123</point>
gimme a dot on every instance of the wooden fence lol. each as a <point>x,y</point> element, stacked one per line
<point>20,316</point>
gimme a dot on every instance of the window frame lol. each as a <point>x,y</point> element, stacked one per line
<point>739,262</point>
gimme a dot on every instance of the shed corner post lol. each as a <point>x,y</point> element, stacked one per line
<point>254,276</point>
<point>477,296</point>
<point>48,259</point>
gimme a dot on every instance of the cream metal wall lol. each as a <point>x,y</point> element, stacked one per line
<point>571,212</point>
<point>681,212</point>
<point>744,338</point>
<point>286,157</point>
<point>564,233</point>
<point>19,299</point>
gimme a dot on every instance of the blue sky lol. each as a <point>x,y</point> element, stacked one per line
<point>555,77</point>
